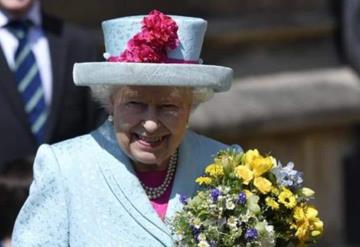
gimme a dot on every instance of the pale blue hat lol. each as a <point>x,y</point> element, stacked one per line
<point>185,69</point>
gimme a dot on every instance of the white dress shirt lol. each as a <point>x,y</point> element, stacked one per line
<point>38,44</point>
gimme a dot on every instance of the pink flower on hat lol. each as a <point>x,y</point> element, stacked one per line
<point>158,33</point>
<point>161,29</point>
<point>139,50</point>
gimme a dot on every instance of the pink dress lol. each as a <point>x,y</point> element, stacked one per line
<point>154,179</point>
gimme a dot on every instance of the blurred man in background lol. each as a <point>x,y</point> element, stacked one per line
<point>38,101</point>
<point>350,30</point>
<point>15,179</point>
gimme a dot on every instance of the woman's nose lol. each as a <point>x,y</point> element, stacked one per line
<point>150,125</point>
<point>151,122</point>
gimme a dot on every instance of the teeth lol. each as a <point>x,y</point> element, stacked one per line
<point>150,139</point>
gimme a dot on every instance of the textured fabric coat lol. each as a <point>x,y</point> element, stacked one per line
<point>85,193</point>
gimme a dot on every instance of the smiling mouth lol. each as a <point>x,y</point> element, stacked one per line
<point>149,141</point>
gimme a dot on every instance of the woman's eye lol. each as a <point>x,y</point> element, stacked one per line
<point>134,105</point>
<point>169,107</point>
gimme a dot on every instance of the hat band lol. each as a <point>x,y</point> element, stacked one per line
<point>110,58</point>
<point>174,60</point>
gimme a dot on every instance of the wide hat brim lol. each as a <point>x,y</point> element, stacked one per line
<point>218,78</point>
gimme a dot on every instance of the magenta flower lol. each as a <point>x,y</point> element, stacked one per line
<point>160,29</point>
<point>158,33</point>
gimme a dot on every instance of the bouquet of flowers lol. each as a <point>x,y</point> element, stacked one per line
<point>248,200</point>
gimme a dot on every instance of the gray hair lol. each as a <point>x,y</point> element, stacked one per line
<point>102,94</point>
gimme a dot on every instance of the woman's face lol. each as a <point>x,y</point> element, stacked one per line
<point>150,122</point>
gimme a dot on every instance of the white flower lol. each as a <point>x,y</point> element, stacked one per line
<point>266,232</point>
<point>212,206</point>
<point>253,205</point>
<point>201,237</point>
<point>197,223</point>
<point>230,204</point>
<point>226,189</point>
<point>232,222</point>
<point>245,217</point>
<point>203,243</point>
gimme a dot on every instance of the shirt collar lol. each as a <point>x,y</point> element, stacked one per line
<point>34,15</point>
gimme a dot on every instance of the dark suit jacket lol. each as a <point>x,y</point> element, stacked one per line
<point>72,112</point>
<point>350,30</point>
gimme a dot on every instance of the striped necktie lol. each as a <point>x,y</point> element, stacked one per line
<point>28,80</point>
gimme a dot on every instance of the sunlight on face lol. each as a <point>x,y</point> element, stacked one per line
<point>150,122</point>
<point>16,7</point>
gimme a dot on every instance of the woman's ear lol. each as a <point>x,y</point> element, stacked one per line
<point>110,109</point>
<point>111,104</point>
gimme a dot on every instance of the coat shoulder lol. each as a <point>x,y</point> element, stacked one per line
<point>74,155</point>
<point>205,144</point>
<point>206,147</point>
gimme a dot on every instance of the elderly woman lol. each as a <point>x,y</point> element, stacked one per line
<point>118,185</point>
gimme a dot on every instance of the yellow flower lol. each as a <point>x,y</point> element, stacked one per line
<point>203,180</point>
<point>261,165</point>
<point>215,170</point>
<point>318,226</point>
<point>244,173</point>
<point>287,198</point>
<point>250,156</point>
<point>273,160</point>
<point>263,185</point>
<point>307,224</point>
<point>271,203</point>
<point>307,192</point>
<point>275,191</point>
<point>302,232</point>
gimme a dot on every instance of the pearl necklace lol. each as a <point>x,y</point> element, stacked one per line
<point>157,192</point>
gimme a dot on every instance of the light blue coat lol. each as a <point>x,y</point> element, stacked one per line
<point>85,194</point>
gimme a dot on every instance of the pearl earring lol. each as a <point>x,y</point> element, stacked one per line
<point>110,118</point>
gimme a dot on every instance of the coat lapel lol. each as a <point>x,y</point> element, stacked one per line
<point>196,152</point>
<point>188,169</point>
<point>53,30</point>
<point>122,181</point>
<point>8,88</point>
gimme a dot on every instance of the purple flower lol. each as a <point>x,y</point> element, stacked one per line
<point>287,176</point>
<point>184,199</point>
<point>195,232</point>
<point>251,234</point>
<point>242,198</point>
<point>215,194</point>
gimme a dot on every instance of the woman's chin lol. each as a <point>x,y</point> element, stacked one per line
<point>146,158</point>
<point>148,153</point>
<point>146,161</point>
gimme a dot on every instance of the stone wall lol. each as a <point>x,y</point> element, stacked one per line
<point>90,12</point>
